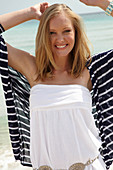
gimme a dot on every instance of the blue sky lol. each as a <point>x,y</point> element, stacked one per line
<point>13,5</point>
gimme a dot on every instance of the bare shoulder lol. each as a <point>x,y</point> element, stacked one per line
<point>86,79</point>
<point>89,83</point>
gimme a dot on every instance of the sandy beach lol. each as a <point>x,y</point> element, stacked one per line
<point>7,161</point>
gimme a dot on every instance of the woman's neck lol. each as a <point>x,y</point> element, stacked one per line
<point>63,64</point>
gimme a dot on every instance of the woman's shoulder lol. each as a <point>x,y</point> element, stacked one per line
<point>106,55</point>
<point>97,60</point>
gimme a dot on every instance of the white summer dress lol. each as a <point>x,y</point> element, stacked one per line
<point>63,131</point>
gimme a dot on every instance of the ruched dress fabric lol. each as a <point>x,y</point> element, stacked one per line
<point>63,130</point>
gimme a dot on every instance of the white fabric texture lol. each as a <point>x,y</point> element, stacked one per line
<point>62,127</point>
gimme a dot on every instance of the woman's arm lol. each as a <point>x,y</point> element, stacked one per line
<point>23,62</point>
<point>12,19</point>
<point>20,60</point>
<point>103,4</point>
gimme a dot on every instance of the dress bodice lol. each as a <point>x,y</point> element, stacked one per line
<point>51,96</point>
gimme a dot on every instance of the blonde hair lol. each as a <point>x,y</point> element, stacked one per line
<point>44,57</point>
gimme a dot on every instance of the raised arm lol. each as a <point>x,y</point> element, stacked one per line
<point>103,4</point>
<point>18,59</point>
<point>12,19</point>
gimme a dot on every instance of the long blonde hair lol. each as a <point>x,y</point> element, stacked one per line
<point>44,58</point>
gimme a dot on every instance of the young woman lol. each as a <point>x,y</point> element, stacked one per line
<point>62,128</point>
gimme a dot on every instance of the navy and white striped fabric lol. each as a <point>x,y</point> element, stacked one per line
<point>17,89</point>
<point>101,72</point>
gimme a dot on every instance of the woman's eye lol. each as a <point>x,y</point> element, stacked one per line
<point>52,33</point>
<point>67,31</point>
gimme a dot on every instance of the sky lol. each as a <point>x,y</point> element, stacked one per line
<point>7,6</point>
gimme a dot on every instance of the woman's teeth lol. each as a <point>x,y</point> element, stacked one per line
<point>61,46</point>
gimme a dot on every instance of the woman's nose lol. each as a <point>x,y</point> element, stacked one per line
<point>60,38</point>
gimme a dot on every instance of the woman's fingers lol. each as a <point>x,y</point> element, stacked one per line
<point>39,9</point>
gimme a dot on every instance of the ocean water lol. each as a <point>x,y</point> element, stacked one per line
<point>99,29</point>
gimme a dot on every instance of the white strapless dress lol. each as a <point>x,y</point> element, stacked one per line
<point>63,131</point>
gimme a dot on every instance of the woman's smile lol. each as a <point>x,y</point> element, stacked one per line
<point>61,46</point>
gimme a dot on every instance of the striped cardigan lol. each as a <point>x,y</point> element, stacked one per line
<point>17,90</point>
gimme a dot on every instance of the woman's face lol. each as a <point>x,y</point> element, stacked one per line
<point>62,35</point>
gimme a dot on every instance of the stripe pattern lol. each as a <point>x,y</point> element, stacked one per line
<point>101,72</point>
<point>17,90</point>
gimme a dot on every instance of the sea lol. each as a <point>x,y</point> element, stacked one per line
<point>99,29</point>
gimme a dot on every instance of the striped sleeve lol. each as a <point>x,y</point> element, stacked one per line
<point>101,72</point>
<point>8,97</point>
<point>16,92</point>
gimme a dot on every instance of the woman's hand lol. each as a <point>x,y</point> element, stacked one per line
<point>38,9</point>
<point>17,17</point>
<point>99,3</point>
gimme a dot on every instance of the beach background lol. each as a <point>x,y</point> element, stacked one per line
<point>99,29</point>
